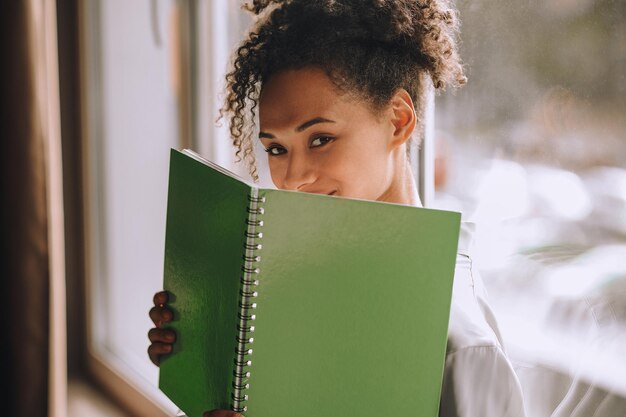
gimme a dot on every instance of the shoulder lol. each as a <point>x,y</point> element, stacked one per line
<point>479,379</point>
<point>472,323</point>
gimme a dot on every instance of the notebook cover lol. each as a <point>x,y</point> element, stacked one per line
<point>352,308</point>
<point>206,213</point>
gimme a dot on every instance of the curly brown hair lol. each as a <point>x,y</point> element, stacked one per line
<point>369,48</point>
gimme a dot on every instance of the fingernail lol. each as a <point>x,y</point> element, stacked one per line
<point>170,337</point>
<point>168,348</point>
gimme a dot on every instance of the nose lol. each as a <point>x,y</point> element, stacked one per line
<point>300,172</point>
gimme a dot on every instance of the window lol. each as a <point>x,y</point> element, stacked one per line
<point>153,71</point>
<point>533,150</point>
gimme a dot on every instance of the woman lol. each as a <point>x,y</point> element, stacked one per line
<point>339,88</point>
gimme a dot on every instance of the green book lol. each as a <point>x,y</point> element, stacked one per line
<point>296,304</point>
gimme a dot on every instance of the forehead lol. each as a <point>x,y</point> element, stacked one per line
<point>295,95</point>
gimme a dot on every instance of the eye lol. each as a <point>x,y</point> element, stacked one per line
<point>275,150</point>
<point>320,141</point>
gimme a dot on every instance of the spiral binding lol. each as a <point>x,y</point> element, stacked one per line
<point>248,293</point>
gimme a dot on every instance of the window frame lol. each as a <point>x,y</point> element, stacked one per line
<point>127,388</point>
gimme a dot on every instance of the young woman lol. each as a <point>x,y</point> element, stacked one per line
<point>339,89</point>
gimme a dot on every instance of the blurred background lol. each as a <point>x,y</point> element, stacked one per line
<point>532,150</point>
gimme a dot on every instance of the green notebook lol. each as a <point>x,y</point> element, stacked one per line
<point>295,304</point>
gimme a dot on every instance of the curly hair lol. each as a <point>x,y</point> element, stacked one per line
<point>369,48</point>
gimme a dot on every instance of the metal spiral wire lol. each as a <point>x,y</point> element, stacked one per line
<point>249,273</point>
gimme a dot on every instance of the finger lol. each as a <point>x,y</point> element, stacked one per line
<point>221,413</point>
<point>155,351</point>
<point>160,315</point>
<point>162,335</point>
<point>160,298</point>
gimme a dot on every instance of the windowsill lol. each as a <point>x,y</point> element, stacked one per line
<point>86,400</point>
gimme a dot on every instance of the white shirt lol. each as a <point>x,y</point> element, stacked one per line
<point>479,380</point>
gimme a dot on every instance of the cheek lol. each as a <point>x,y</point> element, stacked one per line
<point>277,171</point>
<point>368,153</point>
<point>360,165</point>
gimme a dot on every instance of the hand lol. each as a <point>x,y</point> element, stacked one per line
<point>221,413</point>
<point>162,340</point>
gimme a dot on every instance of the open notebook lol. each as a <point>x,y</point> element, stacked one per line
<point>295,304</point>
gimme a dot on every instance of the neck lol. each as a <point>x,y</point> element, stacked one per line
<point>403,189</point>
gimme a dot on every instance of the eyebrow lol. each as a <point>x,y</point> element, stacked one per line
<point>300,128</point>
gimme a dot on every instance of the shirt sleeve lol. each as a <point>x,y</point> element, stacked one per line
<point>479,381</point>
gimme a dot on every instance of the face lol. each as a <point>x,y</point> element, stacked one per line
<point>319,140</point>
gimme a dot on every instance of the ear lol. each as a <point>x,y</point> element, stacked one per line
<point>403,117</point>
